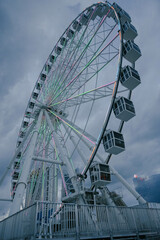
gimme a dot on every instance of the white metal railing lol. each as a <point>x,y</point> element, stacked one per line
<point>53,220</point>
<point>19,225</point>
<point>66,220</point>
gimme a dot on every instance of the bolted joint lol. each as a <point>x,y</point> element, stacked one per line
<point>82,176</point>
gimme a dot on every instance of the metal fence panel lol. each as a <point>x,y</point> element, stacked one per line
<point>18,225</point>
<point>53,220</point>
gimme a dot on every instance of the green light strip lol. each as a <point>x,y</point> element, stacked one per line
<point>67,149</point>
<point>72,127</point>
<point>81,94</point>
<point>86,66</point>
<point>91,60</point>
<point>83,52</point>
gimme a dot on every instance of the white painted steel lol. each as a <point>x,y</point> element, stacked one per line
<point>26,169</point>
<point>77,128</point>
<point>6,200</point>
<point>70,169</point>
<point>15,155</point>
<point>35,158</point>
<point>139,198</point>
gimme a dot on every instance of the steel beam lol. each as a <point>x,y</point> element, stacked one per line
<point>16,153</point>
<point>70,169</point>
<point>19,193</point>
<point>139,198</point>
<point>35,158</point>
<point>5,200</point>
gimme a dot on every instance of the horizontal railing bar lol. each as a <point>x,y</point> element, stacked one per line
<point>6,200</point>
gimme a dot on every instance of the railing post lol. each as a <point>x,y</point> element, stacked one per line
<point>77,222</point>
<point>109,225</point>
<point>135,224</point>
<point>35,225</point>
<point>158,216</point>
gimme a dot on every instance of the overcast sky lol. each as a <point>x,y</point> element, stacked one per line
<point>30,29</point>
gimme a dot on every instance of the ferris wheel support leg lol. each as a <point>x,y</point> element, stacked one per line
<point>16,153</point>
<point>37,184</point>
<point>26,168</point>
<point>71,172</point>
<point>138,197</point>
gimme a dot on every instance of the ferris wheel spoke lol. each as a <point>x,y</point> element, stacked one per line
<point>90,95</point>
<point>75,144</point>
<point>69,61</point>
<point>90,62</point>
<point>76,88</point>
<point>85,142</point>
<point>90,147</point>
<point>74,115</point>
<point>80,47</point>
<point>75,128</point>
<point>65,148</point>
<point>88,117</point>
<point>55,136</point>
<point>86,67</point>
<point>87,46</point>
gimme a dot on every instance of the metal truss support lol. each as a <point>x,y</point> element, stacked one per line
<point>73,125</point>
<point>71,172</point>
<point>138,197</point>
<point>16,153</point>
<point>35,158</point>
<point>26,169</point>
<point>37,185</point>
<point>5,200</point>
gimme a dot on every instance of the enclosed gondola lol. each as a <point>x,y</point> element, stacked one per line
<point>123,109</point>
<point>113,142</point>
<point>100,174</point>
<point>129,31</point>
<point>131,51</point>
<point>129,77</point>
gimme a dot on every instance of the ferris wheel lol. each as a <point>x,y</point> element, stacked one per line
<point>74,118</point>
